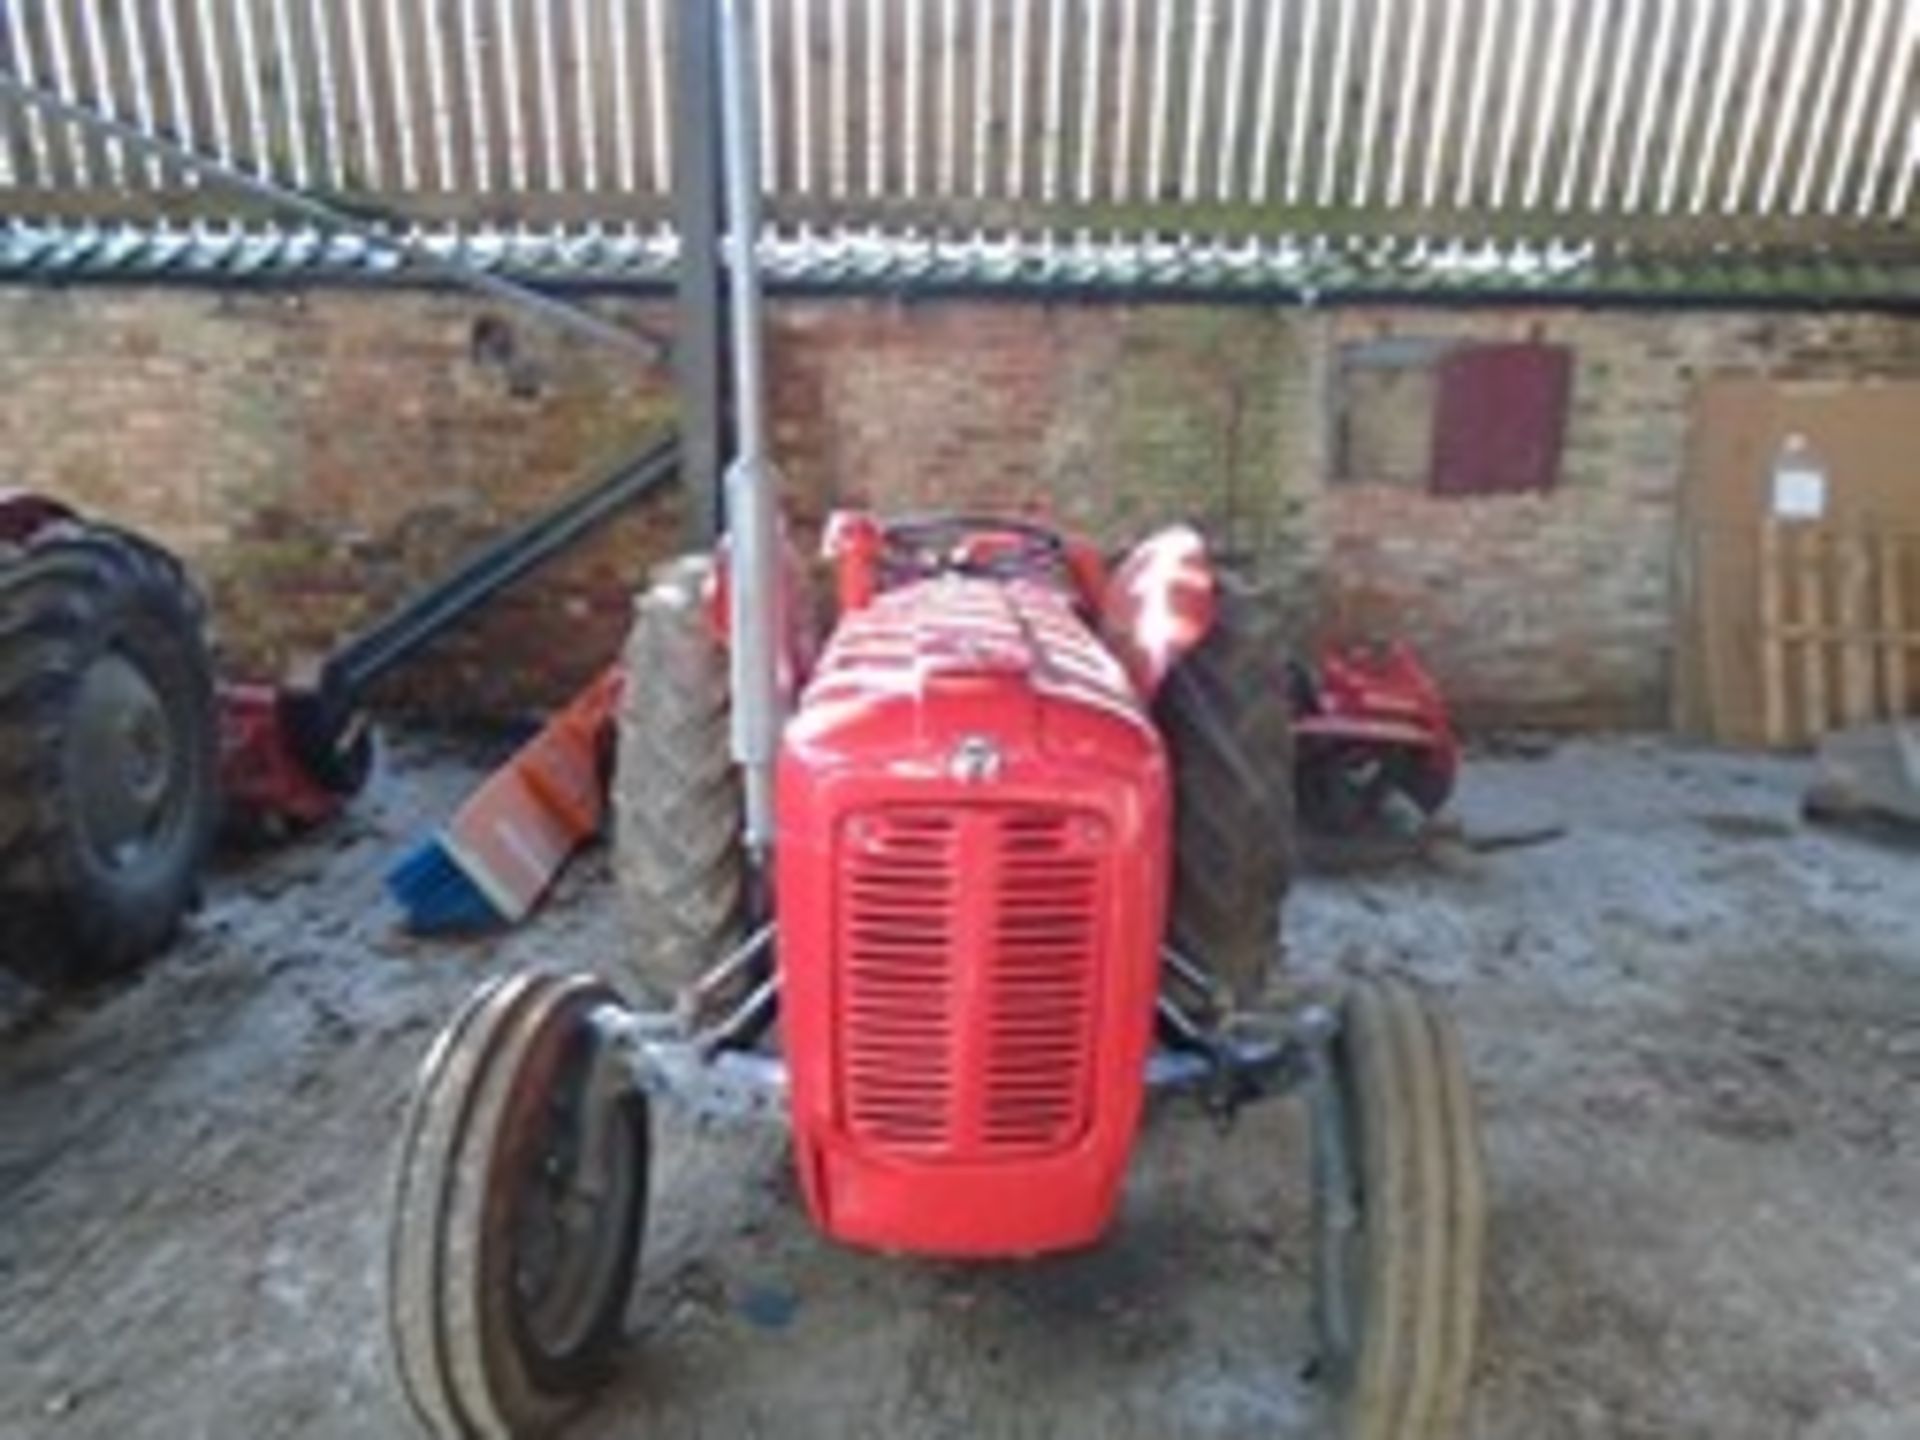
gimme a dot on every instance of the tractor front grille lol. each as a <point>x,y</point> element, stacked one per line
<point>969,944</point>
<point>899,919</point>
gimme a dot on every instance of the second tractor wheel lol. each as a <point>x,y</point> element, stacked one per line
<point>108,751</point>
<point>519,1208</point>
<point>1400,1221</point>
<point>677,808</point>
<point>1229,730</point>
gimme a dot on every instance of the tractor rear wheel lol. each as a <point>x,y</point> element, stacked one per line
<point>519,1207</point>
<point>109,751</point>
<point>1229,728</point>
<point>677,805</point>
<point>1400,1218</point>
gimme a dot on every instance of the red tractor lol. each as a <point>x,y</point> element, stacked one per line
<point>949,893</point>
<point>1033,827</point>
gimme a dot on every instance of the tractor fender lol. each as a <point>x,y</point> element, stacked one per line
<point>23,513</point>
<point>1159,604</point>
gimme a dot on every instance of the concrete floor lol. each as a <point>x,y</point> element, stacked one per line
<point>1696,1027</point>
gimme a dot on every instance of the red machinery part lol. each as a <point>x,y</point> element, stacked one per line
<point>973,879</point>
<point>852,545</point>
<point>1159,604</point>
<point>1380,699</point>
<point>23,513</point>
<point>263,779</point>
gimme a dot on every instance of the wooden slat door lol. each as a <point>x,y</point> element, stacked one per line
<point>1791,627</point>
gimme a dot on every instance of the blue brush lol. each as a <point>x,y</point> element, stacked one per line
<point>490,864</point>
<point>438,895</point>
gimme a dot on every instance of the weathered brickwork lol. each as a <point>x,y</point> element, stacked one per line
<point>1559,607</point>
<point>318,455</point>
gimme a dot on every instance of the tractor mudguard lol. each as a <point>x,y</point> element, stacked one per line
<point>1159,605</point>
<point>22,513</point>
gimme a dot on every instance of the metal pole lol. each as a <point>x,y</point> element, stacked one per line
<point>752,483</point>
<point>698,339</point>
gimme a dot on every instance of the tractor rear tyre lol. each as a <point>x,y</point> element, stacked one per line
<point>1229,728</point>
<point>519,1206</point>
<point>1400,1219</point>
<point>677,804</point>
<point>109,752</point>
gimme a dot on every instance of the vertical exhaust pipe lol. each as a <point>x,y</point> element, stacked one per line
<point>752,484</point>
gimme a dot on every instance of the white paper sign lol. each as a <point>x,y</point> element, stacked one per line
<point>1799,493</point>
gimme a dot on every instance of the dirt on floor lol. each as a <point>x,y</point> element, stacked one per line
<point>1695,1024</point>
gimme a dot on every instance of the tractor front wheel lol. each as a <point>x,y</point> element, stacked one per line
<point>1400,1218</point>
<point>519,1207</point>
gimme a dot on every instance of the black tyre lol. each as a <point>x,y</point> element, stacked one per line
<point>109,752</point>
<point>1346,790</point>
<point>1400,1220</point>
<point>677,805</point>
<point>519,1208</point>
<point>1229,729</point>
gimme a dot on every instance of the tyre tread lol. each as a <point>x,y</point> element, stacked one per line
<point>1229,732</point>
<point>677,807</point>
<point>1423,1196</point>
<point>452,1345</point>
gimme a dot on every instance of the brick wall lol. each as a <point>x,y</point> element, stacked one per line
<point>1559,607</point>
<point>316,455</point>
<point>1551,608</point>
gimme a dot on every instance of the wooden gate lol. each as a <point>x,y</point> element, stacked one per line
<point>1839,627</point>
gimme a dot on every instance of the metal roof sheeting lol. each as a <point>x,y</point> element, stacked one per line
<point>1428,145</point>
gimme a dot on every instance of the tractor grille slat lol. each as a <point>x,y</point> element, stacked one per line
<point>1005,1069</point>
<point>898,892</point>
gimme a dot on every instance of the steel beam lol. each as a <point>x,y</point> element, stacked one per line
<point>701,316</point>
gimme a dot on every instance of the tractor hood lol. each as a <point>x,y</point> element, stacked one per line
<point>1004,670</point>
<point>971,886</point>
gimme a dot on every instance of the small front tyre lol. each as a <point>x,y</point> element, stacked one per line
<point>519,1208</point>
<point>1400,1218</point>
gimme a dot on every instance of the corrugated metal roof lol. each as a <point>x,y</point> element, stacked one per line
<point>1317,272</point>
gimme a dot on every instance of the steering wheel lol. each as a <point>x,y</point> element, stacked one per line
<point>917,546</point>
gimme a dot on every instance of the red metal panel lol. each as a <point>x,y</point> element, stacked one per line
<point>1159,604</point>
<point>972,875</point>
<point>1500,418</point>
